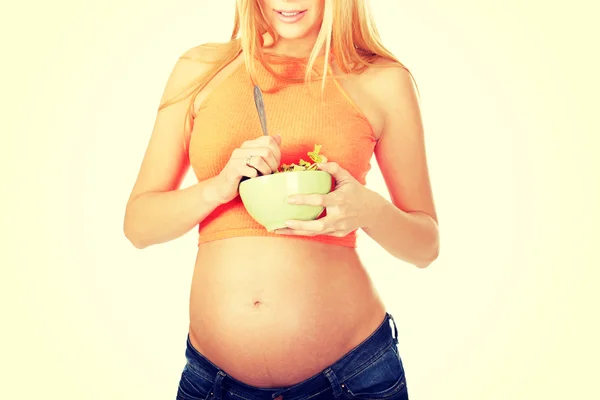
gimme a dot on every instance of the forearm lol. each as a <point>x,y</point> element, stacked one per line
<point>411,237</point>
<point>159,217</point>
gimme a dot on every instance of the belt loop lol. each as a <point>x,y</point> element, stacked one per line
<point>218,387</point>
<point>335,384</point>
<point>395,329</point>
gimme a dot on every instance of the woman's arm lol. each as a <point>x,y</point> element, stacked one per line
<point>407,227</point>
<point>408,236</point>
<point>157,210</point>
<point>156,217</point>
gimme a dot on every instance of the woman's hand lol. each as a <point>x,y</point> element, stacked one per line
<point>349,206</point>
<point>253,156</point>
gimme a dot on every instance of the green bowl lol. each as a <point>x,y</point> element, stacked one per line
<point>265,197</point>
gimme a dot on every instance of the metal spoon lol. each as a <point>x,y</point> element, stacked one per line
<point>260,107</point>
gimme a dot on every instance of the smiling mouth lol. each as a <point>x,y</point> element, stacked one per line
<point>290,13</point>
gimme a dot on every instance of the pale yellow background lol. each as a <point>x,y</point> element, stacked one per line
<point>510,102</point>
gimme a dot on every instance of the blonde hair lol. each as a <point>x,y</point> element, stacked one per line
<point>347,31</point>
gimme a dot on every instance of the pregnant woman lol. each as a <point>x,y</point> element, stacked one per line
<point>290,314</point>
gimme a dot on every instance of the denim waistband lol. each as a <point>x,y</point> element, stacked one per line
<point>350,364</point>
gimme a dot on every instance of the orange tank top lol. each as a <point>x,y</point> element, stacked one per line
<point>299,112</point>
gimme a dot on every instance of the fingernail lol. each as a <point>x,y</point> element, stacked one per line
<point>291,200</point>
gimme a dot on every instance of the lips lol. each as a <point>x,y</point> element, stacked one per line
<point>290,14</point>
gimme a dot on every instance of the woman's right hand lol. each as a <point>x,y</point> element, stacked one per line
<point>253,156</point>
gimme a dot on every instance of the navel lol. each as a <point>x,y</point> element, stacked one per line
<point>257,303</point>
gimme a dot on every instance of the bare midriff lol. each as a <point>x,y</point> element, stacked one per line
<point>272,312</point>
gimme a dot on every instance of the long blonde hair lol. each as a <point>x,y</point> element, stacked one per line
<point>348,31</point>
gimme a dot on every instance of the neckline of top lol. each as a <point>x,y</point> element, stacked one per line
<point>282,58</point>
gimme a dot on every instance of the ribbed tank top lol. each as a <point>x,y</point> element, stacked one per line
<point>299,112</point>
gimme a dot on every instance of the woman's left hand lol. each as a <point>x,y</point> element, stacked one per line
<point>349,207</point>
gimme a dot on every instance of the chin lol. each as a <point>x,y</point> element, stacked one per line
<point>292,34</point>
<point>305,27</point>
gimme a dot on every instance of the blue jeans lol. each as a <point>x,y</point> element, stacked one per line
<point>373,370</point>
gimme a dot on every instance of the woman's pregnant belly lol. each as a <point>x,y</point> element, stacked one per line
<point>271,312</point>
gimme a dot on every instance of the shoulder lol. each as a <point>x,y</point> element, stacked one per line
<point>211,53</point>
<point>390,83</point>
<point>391,72</point>
<point>386,91</point>
<point>195,65</point>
